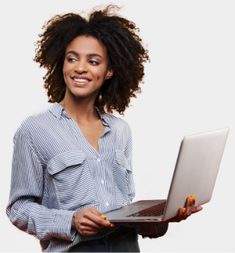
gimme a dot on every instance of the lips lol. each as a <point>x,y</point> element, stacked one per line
<point>80,79</point>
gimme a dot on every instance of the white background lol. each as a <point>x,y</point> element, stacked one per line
<point>188,88</point>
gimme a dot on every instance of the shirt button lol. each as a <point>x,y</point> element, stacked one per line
<point>102,181</point>
<point>98,159</point>
<point>107,203</point>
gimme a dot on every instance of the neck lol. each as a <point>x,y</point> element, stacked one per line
<point>82,110</point>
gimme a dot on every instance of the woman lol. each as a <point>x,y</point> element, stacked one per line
<point>72,163</point>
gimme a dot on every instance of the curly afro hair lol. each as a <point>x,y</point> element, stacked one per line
<point>126,55</point>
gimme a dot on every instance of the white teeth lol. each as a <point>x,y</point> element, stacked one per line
<point>80,80</point>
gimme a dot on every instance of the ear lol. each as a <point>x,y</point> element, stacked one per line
<point>109,74</point>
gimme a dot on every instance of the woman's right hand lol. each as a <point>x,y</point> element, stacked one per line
<point>89,221</point>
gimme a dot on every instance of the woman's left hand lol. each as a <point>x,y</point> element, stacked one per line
<point>156,229</point>
<point>187,210</point>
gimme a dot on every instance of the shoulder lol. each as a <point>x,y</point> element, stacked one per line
<point>33,123</point>
<point>115,120</point>
<point>117,123</point>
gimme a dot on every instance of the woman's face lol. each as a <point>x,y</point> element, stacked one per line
<point>85,67</point>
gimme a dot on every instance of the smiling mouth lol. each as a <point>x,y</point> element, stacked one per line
<point>80,80</point>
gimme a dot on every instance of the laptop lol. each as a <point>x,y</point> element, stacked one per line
<point>195,173</point>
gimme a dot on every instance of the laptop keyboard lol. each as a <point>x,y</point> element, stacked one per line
<point>156,210</point>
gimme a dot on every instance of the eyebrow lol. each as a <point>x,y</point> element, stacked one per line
<point>77,54</point>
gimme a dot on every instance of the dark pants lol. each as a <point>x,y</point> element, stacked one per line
<point>122,240</point>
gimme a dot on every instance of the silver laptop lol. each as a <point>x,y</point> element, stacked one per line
<point>195,173</point>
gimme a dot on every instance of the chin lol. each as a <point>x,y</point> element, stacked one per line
<point>81,94</point>
<point>78,92</point>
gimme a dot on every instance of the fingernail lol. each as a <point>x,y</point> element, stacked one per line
<point>103,216</point>
<point>193,197</point>
<point>112,225</point>
<point>191,200</point>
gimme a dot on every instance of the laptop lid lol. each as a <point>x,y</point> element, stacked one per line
<point>195,173</point>
<point>196,169</point>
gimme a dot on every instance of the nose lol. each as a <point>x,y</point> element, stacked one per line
<point>81,66</point>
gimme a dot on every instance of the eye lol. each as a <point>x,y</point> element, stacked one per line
<point>71,59</point>
<point>94,62</point>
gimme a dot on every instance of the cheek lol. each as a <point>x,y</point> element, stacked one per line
<point>100,75</point>
<point>66,75</point>
<point>100,79</point>
<point>65,69</point>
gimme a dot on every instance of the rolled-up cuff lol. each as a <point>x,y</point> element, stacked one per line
<point>62,225</point>
<point>161,228</point>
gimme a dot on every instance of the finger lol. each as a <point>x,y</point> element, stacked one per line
<point>88,228</point>
<point>192,209</point>
<point>89,223</point>
<point>182,211</point>
<point>98,220</point>
<point>95,211</point>
<point>196,209</point>
<point>93,220</point>
<point>104,217</point>
<point>87,220</point>
<point>190,201</point>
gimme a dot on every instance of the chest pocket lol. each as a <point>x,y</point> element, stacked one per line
<point>71,178</point>
<point>123,176</point>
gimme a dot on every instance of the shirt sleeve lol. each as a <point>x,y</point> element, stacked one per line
<point>128,154</point>
<point>25,209</point>
<point>152,230</point>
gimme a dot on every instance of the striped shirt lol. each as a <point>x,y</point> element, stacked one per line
<point>55,171</point>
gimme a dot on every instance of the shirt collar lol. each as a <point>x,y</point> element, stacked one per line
<point>58,111</point>
<point>103,116</point>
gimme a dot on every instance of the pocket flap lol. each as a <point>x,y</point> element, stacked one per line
<point>64,160</point>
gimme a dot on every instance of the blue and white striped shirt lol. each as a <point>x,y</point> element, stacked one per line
<point>55,171</point>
